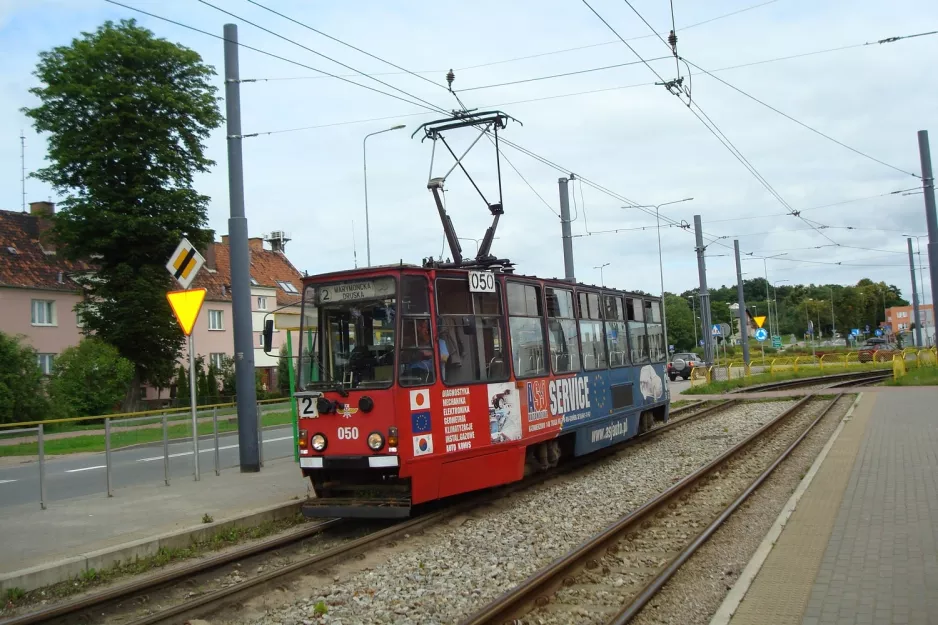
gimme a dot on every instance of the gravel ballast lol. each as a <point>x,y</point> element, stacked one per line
<point>455,568</point>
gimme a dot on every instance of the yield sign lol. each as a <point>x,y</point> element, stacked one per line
<point>186,306</point>
<point>759,320</point>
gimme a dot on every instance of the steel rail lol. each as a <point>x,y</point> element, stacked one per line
<point>202,604</point>
<point>655,585</point>
<point>536,588</point>
<point>791,384</point>
<point>149,582</point>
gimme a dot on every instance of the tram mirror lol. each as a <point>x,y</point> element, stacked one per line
<point>268,335</point>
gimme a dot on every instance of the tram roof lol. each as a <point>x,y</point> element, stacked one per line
<point>398,266</point>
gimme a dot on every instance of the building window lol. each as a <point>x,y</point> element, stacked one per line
<point>45,363</point>
<point>216,320</point>
<point>254,282</point>
<point>262,303</point>
<point>43,312</point>
<point>287,286</point>
<point>217,360</point>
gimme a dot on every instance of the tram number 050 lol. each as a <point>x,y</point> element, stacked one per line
<point>481,282</point>
<point>348,434</point>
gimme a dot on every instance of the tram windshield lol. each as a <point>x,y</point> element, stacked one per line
<point>354,344</point>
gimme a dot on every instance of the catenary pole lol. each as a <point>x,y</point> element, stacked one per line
<point>240,264</point>
<point>566,231</point>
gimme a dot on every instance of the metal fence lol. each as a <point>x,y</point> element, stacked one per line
<point>162,419</point>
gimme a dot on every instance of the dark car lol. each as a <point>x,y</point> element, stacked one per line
<point>682,364</point>
<point>874,346</point>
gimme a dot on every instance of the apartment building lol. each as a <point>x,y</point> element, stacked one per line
<point>901,319</point>
<point>38,294</point>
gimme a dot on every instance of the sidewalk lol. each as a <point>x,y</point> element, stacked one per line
<point>96,531</point>
<point>862,544</point>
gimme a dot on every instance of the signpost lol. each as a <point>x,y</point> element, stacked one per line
<point>759,321</point>
<point>761,335</point>
<point>777,342</point>
<point>183,265</point>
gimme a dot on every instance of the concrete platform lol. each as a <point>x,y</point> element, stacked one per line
<point>41,547</point>
<point>861,545</point>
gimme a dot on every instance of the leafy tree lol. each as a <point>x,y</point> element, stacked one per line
<point>227,378</point>
<point>182,386</point>
<point>202,391</point>
<point>22,397</point>
<point>680,322</point>
<point>283,371</point>
<point>89,379</point>
<point>127,115</point>
<point>213,383</point>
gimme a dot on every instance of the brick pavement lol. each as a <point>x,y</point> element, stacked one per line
<point>862,545</point>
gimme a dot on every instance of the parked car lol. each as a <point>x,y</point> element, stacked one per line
<point>874,346</point>
<point>682,364</point>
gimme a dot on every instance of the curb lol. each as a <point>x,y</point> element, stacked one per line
<point>68,568</point>
<point>736,594</point>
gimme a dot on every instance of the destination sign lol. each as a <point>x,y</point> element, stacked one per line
<point>347,292</point>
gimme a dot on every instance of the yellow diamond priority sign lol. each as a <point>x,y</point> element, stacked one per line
<point>186,306</point>
<point>185,263</point>
<point>759,320</point>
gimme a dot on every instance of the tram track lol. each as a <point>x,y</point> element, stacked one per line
<point>114,604</point>
<point>610,577</point>
<point>833,381</point>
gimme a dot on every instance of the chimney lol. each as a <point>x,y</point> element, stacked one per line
<point>210,252</point>
<point>42,209</point>
<point>224,239</point>
<point>256,244</point>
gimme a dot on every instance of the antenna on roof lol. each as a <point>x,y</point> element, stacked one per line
<point>23,165</point>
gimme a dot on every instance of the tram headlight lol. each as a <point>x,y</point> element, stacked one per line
<point>375,441</point>
<point>318,441</point>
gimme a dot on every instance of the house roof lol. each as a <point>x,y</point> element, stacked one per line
<point>268,268</point>
<point>24,263</point>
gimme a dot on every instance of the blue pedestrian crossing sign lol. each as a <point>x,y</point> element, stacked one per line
<point>878,333</point>
<point>715,330</point>
<point>855,332</point>
<point>761,334</point>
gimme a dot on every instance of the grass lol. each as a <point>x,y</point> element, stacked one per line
<point>95,443</point>
<point>16,597</point>
<point>722,386</point>
<point>924,376</point>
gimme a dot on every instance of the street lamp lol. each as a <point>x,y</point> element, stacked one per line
<point>921,275</point>
<point>365,163</point>
<point>765,268</point>
<point>775,303</point>
<point>657,207</point>
<point>601,281</point>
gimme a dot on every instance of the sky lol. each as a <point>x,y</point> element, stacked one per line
<point>626,134</point>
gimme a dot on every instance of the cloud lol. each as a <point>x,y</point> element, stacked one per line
<point>640,141</point>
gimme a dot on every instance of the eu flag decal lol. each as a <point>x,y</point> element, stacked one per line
<point>420,422</point>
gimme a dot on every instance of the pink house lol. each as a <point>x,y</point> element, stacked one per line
<point>38,296</point>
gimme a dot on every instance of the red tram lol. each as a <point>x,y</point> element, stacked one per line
<point>418,383</point>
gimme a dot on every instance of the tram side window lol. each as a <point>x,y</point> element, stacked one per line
<point>637,337</point>
<point>591,332</point>
<point>562,331</point>
<point>471,333</point>
<point>416,366</point>
<point>616,332</point>
<point>526,329</point>
<point>656,349</point>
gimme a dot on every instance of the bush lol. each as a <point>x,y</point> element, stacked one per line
<point>22,396</point>
<point>89,379</point>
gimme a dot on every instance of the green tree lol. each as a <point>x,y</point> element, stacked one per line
<point>22,397</point>
<point>126,116</point>
<point>89,379</point>
<point>182,386</point>
<point>203,393</point>
<point>283,371</point>
<point>213,383</point>
<point>227,378</point>
<point>680,322</point>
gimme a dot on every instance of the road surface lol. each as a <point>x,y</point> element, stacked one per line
<point>76,475</point>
